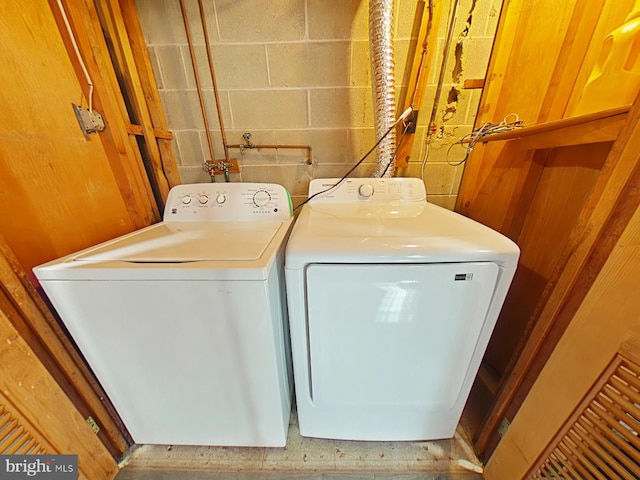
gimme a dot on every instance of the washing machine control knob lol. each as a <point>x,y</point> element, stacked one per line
<point>221,198</point>
<point>203,199</point>
<point>261,198</point>
<point>365,190</point>
<point>186,200</point>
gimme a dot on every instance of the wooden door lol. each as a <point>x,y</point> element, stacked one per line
<point>604,321</point>
<point>35,414</point>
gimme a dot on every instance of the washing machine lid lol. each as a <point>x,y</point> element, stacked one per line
<point>409,232</point>
<point>176,242</point>
<point>227,251</point>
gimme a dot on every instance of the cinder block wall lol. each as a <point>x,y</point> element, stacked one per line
<point>297,72</point>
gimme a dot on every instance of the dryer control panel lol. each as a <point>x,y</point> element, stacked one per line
<point>227,202</point>
<point>375,190</point>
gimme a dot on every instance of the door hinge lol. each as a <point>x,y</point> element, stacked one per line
<point>92,423</point>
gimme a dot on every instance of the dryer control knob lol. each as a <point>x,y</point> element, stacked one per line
<point>365,190</point>
<point>186,200</point>
<point>203,199</point>
<point>221,198</point>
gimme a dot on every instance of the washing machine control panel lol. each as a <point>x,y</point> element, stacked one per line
<point>332,190</point>
<point>225,202</point>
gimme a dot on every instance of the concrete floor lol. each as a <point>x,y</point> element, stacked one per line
<point>193,475</point>
<point>308,458</point>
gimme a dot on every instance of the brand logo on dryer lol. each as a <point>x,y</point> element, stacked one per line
<point>463,277</point>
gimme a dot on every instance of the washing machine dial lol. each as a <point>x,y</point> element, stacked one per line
<point>365,190</point>
<point>203,199</point>
<point>261,198</point>
<point>221,198</point>
<point>186,200</point>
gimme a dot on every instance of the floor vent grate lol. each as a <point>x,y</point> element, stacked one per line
<point>15,439</point>
<point>600,441</point>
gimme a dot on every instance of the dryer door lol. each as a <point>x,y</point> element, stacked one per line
<point>395,336</point>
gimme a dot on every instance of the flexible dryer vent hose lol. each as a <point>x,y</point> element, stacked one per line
<point>383,79</point>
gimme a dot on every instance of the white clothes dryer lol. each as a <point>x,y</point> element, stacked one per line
<point>184,322</point>
<point>392,301</point>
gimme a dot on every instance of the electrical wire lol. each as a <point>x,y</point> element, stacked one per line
<point>393,157</point>
<point>74,43</point>
<point>469,141</point>
<point>402,118</point>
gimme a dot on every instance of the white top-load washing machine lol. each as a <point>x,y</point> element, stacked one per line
<point>184,322</point>
<point>392,301</point>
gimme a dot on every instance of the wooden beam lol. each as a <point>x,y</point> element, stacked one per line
<point>575,130</point>
<point>596,131</point>
<point>430,17</point>
<point>472,83</point>
<point>158,133</point>
<point>149,89</point>
<point>115,29</point>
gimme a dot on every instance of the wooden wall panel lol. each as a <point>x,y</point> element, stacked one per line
<point>527,72</point>
<point>517,80</point>
<point>494,188</point>
<point>562,189</point>
<point>543,54</point>
<point>57,190</point>
<point>576,41</point>
<point>612,15</point>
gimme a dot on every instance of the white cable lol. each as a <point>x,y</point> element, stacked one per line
<point>405,114</point>
<point>424,161</point>
<point>77,50</point>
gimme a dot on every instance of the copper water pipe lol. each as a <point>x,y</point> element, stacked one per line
<point>198,86</point>
<point>213,79</point>
<point>244,146</point>
<point>217,97</point>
